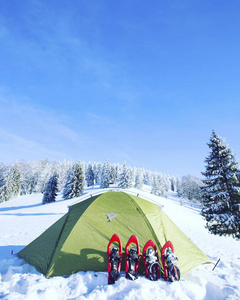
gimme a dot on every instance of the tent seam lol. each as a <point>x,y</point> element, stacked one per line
<point>50,261</point>
<point>146,220</point>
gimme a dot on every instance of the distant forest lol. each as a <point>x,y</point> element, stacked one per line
<point>22,178</point>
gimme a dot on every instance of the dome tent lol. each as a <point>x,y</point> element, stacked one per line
<point>78,240</point>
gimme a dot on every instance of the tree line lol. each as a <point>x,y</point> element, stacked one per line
<point>70,178</point>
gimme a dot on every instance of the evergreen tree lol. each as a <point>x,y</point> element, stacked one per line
<point>159,186</point>
<point>125,177</point>
<point>51,189</point>
<point>4,195</point>
<point>2,176</point>
<point>179,187</point>
<point>90,175</point>
<point>173,181</point>
<point>156,187</point>
<point>147,178</point>
<point>13,181</point>
<point>139,179</point>
<point>133,172</point>
<point>191,187</point>
<point>74,184</point>
<point>105,176</point>
<point>97,169</point>
<point>43,176</point>
<point>167,184</point>
<point>117,172</point>
<point>113,174</point>
<point>36,169</point>
<point>221,190</point>
<point>62,171</point>
<point>26,177</point>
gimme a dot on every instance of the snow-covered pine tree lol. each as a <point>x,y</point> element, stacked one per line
<point>13,181</point>
<point>113,174</point>
<point>74,184</point>
<point>67,191</point>
<point>118,168</point>
<point>158,185</point>
<point>3,187</point>
<point>51,189</point>
<point>4,196</point>
<point>89,176</point>
<point>24,169</point>
<point>2,176</point>
<point>179,186</point>
<point>139,179</point>
<point>221,190</point>
<point>173,181</point>
<point>36,169</point>
<point>191,187</point>
<point>27,178</point>
<point>167,184</point>
<point>156,188</point>
<point>44,173</point>
<point>133,172</point>
<point>84,168</point>
<point>125,177</point>
<point>105,176</point>
<point>62,171</point>
<point>147,177</point>
<point>97,169</point>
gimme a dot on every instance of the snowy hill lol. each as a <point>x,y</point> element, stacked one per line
<point>25,218</point>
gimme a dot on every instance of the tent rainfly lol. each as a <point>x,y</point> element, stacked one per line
<point>78,240</point>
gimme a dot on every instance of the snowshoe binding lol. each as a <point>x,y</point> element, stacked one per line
<point>151,261</point>
<point>114,258</point>
<point>132,258</point>
<point>169,261</point>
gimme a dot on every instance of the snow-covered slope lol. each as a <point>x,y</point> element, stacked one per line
<point>25,218</point>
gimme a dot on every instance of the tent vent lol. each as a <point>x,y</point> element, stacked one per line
<point>111,216</point>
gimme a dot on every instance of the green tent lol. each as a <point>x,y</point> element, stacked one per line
<point>78,241</point>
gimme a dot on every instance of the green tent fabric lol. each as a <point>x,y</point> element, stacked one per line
<point>78,241</point>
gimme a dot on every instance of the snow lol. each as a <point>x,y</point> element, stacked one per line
<point>25,218</point>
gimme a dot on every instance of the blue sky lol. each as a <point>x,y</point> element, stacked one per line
<point>135,81</point>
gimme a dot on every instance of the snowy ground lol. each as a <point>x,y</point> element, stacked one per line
<point>25,218</point>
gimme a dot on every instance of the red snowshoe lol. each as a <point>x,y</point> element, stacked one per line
<point>132,258</point>
<point>114,258</point>
<point>169,261</point>
<point>151,261</point>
